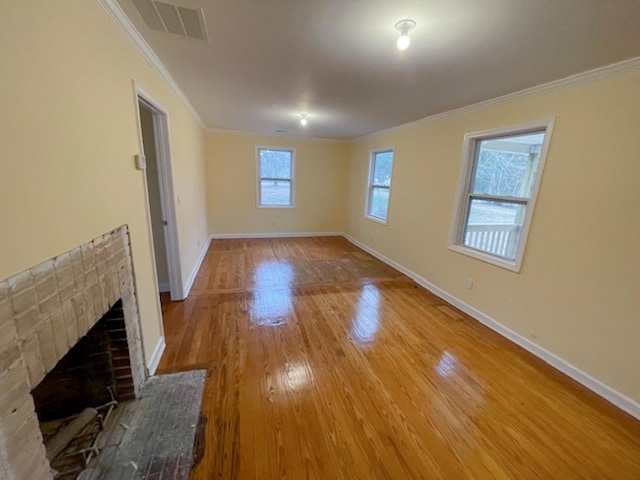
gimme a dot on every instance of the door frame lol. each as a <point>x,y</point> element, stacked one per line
<point>167,193</point>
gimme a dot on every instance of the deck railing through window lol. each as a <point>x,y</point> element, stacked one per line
<point>496,239</point>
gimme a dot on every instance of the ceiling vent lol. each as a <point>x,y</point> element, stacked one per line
<point>187,22</point>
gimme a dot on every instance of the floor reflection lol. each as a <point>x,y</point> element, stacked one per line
<point>295,376</point>
<point>272,273</point>
<point>447,365</point>
<point>367,319</point>
<point>267,306</point>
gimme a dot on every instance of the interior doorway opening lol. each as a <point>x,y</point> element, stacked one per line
<point>154,138</point>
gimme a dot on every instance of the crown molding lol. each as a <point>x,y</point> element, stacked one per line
<point>119,17</point>
<point>626,66</point>
<point>278,135</point>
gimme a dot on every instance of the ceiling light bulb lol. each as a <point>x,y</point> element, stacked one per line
<point>303,121</point>
<point>403,41</point>
<point>404,27</point>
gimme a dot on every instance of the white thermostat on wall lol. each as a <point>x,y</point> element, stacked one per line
<point>141,162</point>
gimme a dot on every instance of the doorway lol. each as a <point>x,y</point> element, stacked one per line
<point>159,185</point>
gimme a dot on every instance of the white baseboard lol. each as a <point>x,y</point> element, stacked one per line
<point>196,268</point>
<point>616,398</point>
<point>275,235</point>
<point>157,355</point>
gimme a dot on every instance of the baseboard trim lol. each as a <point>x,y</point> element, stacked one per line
<point>154,361</point>
<point>196,269</point>
<point>613,396</point>
<point>275,235</point>
<point>164,287</point>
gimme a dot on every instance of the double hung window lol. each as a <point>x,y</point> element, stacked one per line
<point>275,177</point>
<point>379,185</point>
<point>497,194</point>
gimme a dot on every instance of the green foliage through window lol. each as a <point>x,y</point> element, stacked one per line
<point>380,184</point>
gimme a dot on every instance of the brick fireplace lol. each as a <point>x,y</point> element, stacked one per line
<point>44,312</point>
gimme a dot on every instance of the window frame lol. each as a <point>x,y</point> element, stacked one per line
<point>371,186</point>
<point>464,194</point>
<point>259,178</point>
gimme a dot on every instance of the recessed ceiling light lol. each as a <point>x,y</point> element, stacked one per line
<point>404,27</point>
<point>303,120</point>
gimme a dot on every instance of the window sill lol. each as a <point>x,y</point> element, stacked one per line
<point>376,219</point>
<point>512,265</point>
<point>275,206</point>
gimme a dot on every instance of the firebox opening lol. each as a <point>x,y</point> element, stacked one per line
<point>76,398</point>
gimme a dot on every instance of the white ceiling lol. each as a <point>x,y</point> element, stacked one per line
<point>269,60</point>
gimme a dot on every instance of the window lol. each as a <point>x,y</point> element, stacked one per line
<point>379,185</point>
<point>501,173</point>
<point>275,177</point>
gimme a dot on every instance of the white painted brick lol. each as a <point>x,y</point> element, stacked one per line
<point>70,323</point>
<point>80,316</point>
<point>8,335</point>
<point>49,304</point>
<point>88,257</point>
<point>6,311</point>
<point>91,276</point>
<point>64,276</point>
<point>23,300</point>
<point>11,377</point>
<point>12,399</point>
<point>28,321</point>
<point>59,329</point>
<point>46,287</point>
<point>47,346</point>
<point>11,421</point>
<point>26,454</point>
<point>33,360</point>
<point>67,292</point>
<point>43,312</point>
<point>9,355</point>
<point>78,275</point>
<point>62,261</point>
<point>20,282</point>
<point>42,270</point>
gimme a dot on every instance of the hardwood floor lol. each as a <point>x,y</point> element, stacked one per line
<point>324,363</point>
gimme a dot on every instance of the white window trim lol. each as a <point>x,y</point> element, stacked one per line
<point>258,176</point>
<point>369,189</point>
<point>466,170</point>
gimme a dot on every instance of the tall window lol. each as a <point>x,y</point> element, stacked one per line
<point>501,174</point>
<point>275,177</point>
<point>381,164</point>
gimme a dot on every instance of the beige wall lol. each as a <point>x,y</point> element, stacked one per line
<point>68,136</point>
<point>320,185</point>
<point>578,293</point>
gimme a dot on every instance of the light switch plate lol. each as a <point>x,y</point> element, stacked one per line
<point>141,162</point>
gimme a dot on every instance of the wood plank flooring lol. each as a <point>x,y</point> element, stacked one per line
<point>324,363</point>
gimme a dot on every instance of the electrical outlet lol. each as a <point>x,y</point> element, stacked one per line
<point>469,283</point>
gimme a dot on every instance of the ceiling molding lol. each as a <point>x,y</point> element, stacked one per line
<point>626,66</point>
<point>120,18</point>
<point>280,135</point>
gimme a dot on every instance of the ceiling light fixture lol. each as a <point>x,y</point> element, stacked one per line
<point>404,27</point>
<point>303,120</point>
